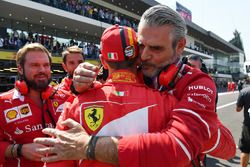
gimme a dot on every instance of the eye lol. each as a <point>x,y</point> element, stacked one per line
<point>46,65</point>
<point>34,64</point>
<point>141,46</point>
<point>156,48</point>
<point>80,61</point>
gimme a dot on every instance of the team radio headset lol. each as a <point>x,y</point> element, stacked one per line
<point>171,74</point>
<point>49,93</point>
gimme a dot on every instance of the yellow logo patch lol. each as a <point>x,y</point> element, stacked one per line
<point>17,112</point>
<point>93,116</point>
<point>12,114</point>
<point>24,110</point>
<point>55,104</point>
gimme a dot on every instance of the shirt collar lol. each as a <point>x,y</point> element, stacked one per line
<point>122,76</point>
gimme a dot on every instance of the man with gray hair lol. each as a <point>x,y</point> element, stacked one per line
<point>194,127</point>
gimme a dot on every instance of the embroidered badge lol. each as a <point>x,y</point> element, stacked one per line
<point>93,116</point>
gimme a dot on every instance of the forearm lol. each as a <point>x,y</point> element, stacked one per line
<point>10,151</point>
<point>13,151</point>
<point>222,144</point>
<point>3,146</point>
<point>107,150</point>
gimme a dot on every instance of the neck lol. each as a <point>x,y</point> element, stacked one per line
<point>35,96</point>
<point>111,71</point>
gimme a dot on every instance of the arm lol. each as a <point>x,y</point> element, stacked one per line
<point>65,114</point>
<point>182,140</point>
<point>238,109</point>
<point>4,150</point>
<point>27,151</point>
<point>192,129</point>
<point>222,144</point>
<point>240,102</point>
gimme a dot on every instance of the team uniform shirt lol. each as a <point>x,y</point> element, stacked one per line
<point>21,120</point>
<point>65,84</point>
<point>193,128</point>
<point>243,101</point>
<point>120,107</point>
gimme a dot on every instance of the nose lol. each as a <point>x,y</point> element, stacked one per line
<point>41,68</point>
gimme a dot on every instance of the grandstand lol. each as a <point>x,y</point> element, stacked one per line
<point>60,23</point>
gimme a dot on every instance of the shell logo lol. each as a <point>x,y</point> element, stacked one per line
<point>11,114</point>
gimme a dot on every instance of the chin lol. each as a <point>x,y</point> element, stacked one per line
<point>150,73</point>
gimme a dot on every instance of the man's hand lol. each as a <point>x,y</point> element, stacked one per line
<point>84,75</point>
<point>238,108</point>
<point>67,145</point>
<point>29,151</point>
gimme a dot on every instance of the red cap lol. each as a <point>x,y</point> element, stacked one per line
<point>119,43</point>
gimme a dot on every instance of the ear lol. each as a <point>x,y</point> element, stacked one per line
<point>180,46</point>
<point>105,65</point>
<point>20,69</point>
<point>64,67</point>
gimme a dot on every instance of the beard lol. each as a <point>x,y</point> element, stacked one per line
<point>152,70</point>
<point>40,85</point>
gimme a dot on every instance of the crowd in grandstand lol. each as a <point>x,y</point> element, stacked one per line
<point>17,39</point>
<point>83,7</point>
<point>200,48</point>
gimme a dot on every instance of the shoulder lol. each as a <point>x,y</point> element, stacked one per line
<point>196,77</point>
<point>195,80</point>
<point>245,91</point>
<point>8,95</point>
<point>63,92</point>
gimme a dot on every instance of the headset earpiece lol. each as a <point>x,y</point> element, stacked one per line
<point>49,92</point>
<point>168,75</point>
<point>22,87</point>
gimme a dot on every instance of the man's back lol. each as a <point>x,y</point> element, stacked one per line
<point>120,109</point>
<point>243,101</point>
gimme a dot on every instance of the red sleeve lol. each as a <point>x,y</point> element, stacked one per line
<point>195,122</point>
<point>65,163</point>
<point>3,147</point>
<point>192,125</point>
<point>223,145</point>
<point>147,150</point>
<point>3,144</point>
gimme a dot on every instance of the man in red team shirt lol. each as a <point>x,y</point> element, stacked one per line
<point>116,108</point>
<point>32,106</point>
<point>194,127</point>
<point>72,57</point>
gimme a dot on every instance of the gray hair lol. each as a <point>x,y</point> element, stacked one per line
<point>160,15</point>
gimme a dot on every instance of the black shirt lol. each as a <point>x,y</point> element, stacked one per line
<point>244,101</point>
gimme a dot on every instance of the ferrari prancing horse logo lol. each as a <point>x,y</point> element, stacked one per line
<point>93,116</point>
